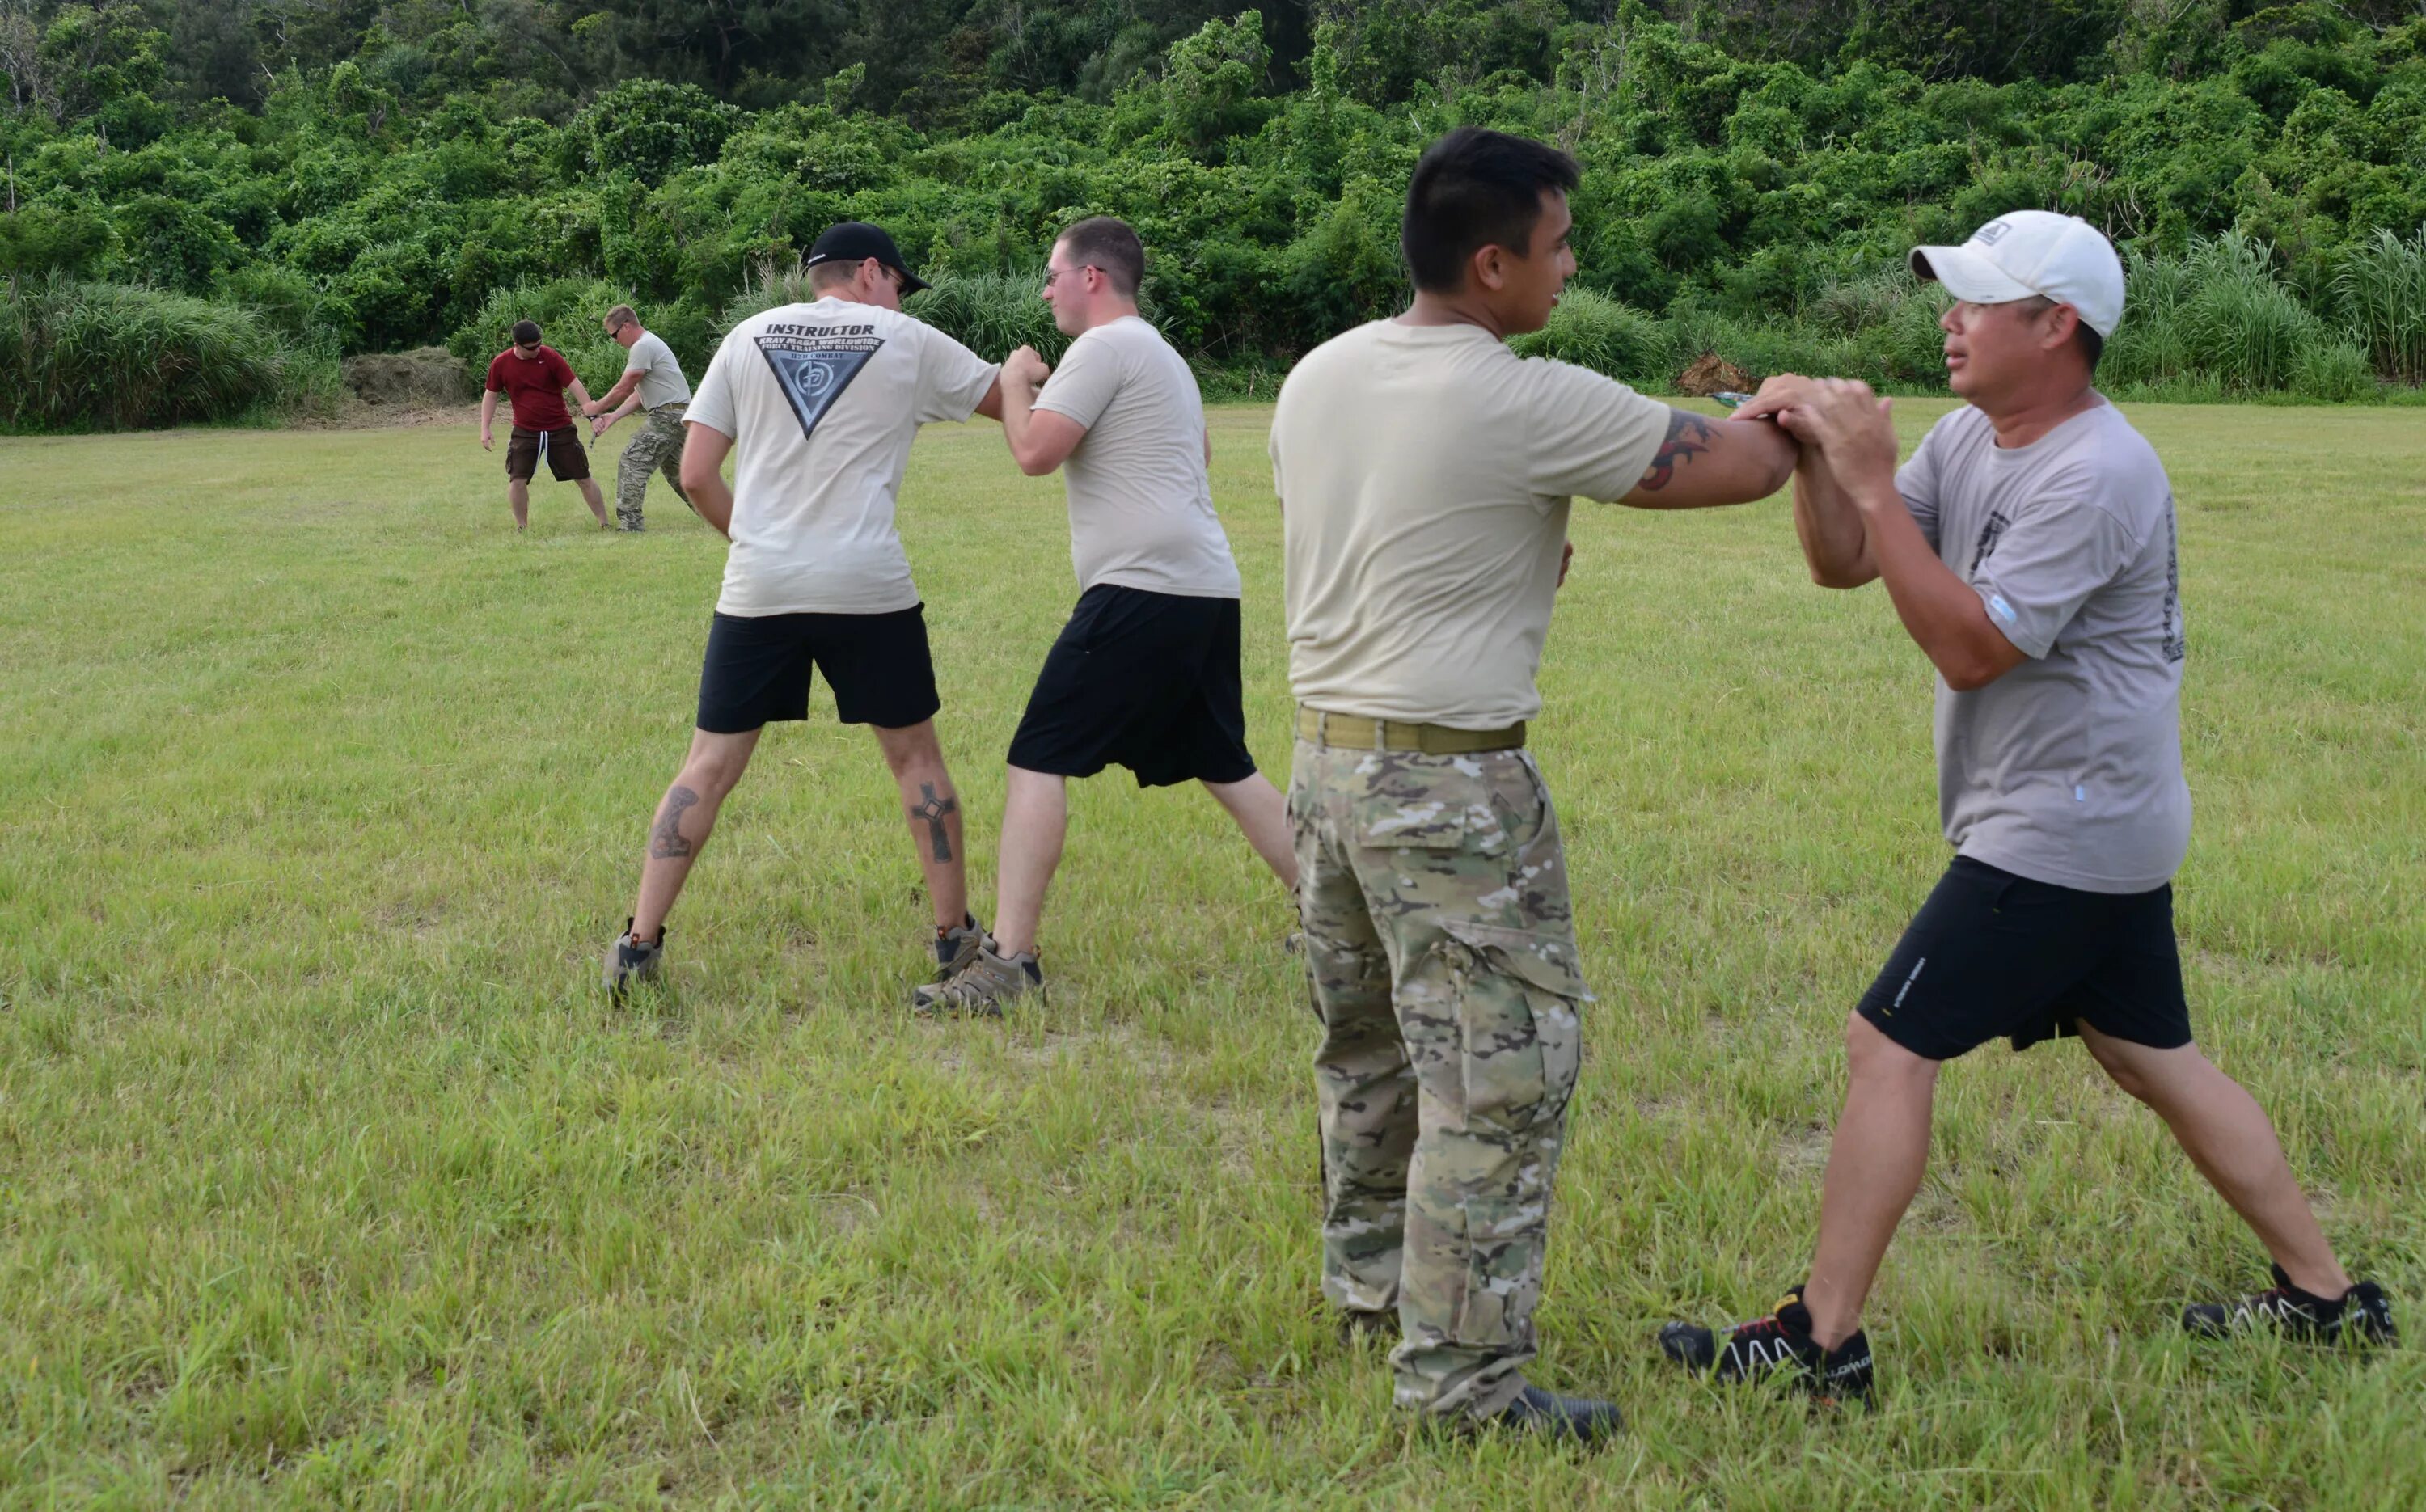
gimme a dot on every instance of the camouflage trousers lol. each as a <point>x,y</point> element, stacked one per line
<point>657,448</point>
<point>1441,955</point>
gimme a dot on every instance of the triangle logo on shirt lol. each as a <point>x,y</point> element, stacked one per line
<point>813,379</point>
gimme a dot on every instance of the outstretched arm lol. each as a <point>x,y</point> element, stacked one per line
<point>1704,462</point>
<point>1851,428</point>
<point>630,402</point>
<point>625,388</point>
<point>702,475</point>
<point>488,419</point>
<point>1834,543</point>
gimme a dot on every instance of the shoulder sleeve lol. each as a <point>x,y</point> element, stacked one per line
<point>496,376</point>
<point>642,357</point>
<point>1082,387</point>
<point>1916,480</point>
<point>558,369</point>
<point>1593,435</point>
<point>2064,544</point>
<point>711,404</point>
<point>952,379</point>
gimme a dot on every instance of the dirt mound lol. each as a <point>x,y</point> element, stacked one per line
<point>1710,374</point>
<point>425,378</point>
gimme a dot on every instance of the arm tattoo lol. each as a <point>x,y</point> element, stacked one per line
<point>1689,435</point>
<point>934,810</point>
<point>665,837</point>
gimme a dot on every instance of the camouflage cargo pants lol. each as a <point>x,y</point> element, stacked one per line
<point>1441,955</point>
<point>657,447</point>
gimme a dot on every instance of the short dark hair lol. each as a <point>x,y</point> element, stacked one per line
<point>525,332</point>
<point>1475,188</point>
<point>1109,244</point>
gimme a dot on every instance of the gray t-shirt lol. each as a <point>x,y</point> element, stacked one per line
<point>2068,768</point>
<point>1140,505</point>
<point>661,377</point>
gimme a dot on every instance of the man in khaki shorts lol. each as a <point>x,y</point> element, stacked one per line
<point>652,380</point>
<point>1424,474</point>
<point>534,377</point>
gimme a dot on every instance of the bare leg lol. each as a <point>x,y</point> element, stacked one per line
<point>685,816</point>
<point>1263,813</point>
<point>2228,1137</point>
<point>518,495</point>
<point>1035,818</point>
<point>596,500</point>
<point>916,759</point>
<point>1874,1166</point>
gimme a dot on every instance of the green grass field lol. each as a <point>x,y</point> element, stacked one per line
<point>328,1179</point>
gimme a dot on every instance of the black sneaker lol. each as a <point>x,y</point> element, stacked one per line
<point>629,962</point>
<point>2363,1312</point>
<point>1778,1344</point>
<point>1548,1415</point>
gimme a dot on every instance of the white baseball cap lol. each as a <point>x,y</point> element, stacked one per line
<point>2025,252</point>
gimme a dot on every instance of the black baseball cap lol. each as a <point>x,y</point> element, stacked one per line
<point>855,241</point>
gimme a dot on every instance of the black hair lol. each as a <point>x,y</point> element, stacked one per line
<point>1475,188</point>
<point>525,332</point>
<point>1111,245</point>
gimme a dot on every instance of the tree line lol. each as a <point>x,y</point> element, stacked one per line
<point>380,174</point>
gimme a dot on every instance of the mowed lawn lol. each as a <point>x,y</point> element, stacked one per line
<point>327,1178</point>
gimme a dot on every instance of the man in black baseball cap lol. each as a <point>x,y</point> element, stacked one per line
<point>856,241</point>
<point>817,403</point>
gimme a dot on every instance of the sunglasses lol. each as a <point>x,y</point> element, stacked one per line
<point>1051,274</point>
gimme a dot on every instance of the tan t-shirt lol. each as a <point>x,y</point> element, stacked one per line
<point>1141,507</point>
<point>1424,474</point>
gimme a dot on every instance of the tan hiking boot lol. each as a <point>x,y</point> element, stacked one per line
<point>956,948</point>
<point>983,986</point>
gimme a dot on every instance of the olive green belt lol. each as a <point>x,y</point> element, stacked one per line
<point>1355,733</point>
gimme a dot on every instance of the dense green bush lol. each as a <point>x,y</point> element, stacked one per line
<point>1595,331</point>
<point>404,176</point>
<point>77,355</point>
<point>988,312</point>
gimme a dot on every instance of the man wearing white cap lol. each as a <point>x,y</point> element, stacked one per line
<point>2029,548</point>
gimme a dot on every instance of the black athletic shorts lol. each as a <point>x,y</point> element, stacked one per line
<point>756,671</point>
<point>1992,954</point>
<point>1147,681</point>
<point>565,457</point>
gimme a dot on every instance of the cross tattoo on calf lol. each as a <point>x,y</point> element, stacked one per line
<point>933,810</point>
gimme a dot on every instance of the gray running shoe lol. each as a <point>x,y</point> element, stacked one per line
<point>955,948</point>
<point>628,961</point>
<point>983,986</point>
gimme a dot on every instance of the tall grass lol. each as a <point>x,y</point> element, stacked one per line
<point>78,356</point>
<point>1593,330</point>
<point>2217,317</point>
<point>2382,289</point>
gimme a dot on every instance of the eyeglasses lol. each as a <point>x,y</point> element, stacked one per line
<point>1053,273</point>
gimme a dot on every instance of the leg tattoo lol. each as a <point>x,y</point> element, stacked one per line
<point>665,837</point>
<point>932,810</point>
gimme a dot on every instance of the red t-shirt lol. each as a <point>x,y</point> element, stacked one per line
<point>534,387</point>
